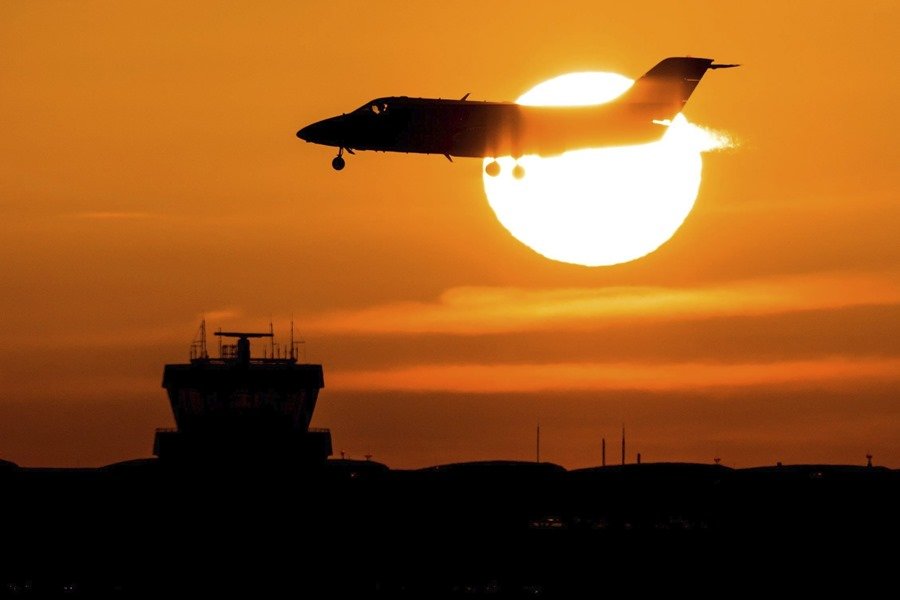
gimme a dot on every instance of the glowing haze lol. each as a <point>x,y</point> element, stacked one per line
<point>600,206</point>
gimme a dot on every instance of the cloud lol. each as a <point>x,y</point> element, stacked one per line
<point>115,216</point>
<point>862,331</point>
<point>122,335</point>
<point>527,378</point>
<point>483,310</point>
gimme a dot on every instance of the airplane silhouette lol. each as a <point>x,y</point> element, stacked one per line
<point>477,129</point>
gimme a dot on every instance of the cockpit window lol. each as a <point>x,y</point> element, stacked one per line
<point>375,107</point>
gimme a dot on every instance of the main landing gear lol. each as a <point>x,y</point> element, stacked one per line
<point>492,169</point>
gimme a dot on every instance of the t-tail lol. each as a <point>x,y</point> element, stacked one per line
<point>666,88</point>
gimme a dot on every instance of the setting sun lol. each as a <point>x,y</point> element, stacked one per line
<point>600,206</point>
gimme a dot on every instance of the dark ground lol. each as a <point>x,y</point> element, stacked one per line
<point>355,529</point>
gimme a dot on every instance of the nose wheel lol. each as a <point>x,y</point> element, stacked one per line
<point>338,163</point>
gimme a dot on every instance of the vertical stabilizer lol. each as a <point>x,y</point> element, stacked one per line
<point>666,88</point>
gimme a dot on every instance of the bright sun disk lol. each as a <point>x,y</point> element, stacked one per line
<point>600,206</point>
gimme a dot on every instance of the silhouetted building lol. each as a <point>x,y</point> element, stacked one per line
<point>240,408</point>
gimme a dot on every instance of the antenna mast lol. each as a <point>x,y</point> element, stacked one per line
<point>198,345</point>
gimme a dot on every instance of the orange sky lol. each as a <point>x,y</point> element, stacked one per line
<point>150,175</point>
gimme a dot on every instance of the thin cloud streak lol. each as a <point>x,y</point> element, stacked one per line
<point>116,216</point>
<point>482,310</point>
<point>524,378</point>
<point>174,332</point>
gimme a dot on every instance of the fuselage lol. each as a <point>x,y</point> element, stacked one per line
<point>467,128</point>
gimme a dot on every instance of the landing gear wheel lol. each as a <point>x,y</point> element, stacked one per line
<point>492,168</point>
<point>518,172</point>
<point>337,163</point>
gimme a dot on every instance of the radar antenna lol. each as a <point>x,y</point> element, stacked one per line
<point>242,348</point>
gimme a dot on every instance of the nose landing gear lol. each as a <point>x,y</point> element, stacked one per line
<point>338,162</point>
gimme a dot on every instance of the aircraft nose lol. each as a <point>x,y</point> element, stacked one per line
<point>308,133</point>
<point>328,132</point>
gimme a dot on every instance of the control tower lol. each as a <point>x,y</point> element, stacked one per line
<point>241,408</point>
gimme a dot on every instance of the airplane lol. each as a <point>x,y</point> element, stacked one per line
<point>479,129</point>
